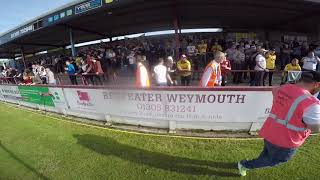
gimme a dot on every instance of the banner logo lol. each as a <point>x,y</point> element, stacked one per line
<point>84,99</point>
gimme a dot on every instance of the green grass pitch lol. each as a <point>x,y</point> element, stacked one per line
<point>34,146</point>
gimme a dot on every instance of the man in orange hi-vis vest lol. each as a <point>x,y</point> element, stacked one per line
<point>142,75</point>
<point>212,74</point>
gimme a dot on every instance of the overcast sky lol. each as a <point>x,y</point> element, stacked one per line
<point>16,12</point>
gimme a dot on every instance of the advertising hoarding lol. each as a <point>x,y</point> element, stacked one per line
<point>36,95</point>
<point>207,106</point>
<point>10,93</point>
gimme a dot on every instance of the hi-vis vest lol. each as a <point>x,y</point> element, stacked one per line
<point>142,77</point>
<point>284,126</point>
<point>215,76</point>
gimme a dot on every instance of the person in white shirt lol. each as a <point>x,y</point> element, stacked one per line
<point>50,77</point>
<point>310,62</point>
<point>191,50</point>
<point>260,68</point>
<point>231,54</point>
<point>238,64</point>
<point>311,116</point>
<point>161,74</point>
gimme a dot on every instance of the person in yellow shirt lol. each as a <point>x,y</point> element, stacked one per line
<point>184,68</point>
<point>216,47</point>
<point>294,68</point>
<point>202,49</point>
<point>271,65</point>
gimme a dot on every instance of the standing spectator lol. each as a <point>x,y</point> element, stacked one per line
<point>296,52</point>
<point>161,74</point>
<point>252,61</point>
<point>246,45</point>
<point>71,72</point>
<point>27,79</point>
<point>184,68</point>
<point>285,55</point>
<point>310,62</point>
<point>83,67</point>
<point>202,48</point>
<point>97,69</point>
<point>36,79</point>
<point>247,65</point>
<point>184,45</point>
<point>212,74</point>
<point>191,50</point>
<point>239,61</point>
<point>216,47</point>
<point>112,61</point>
<point>50,77</point>
<point>260,68</point>
<point>88,74</point>
<point>231,54</point>
<point>132,62</point>
<point>142,75</point>
<point>114,64</point>
<point>59,64</point>
<point>34,69</point>
<point>43,75</point>
<point>225,68</point>
<point>304,49</point>
<point>271,66</point>
<point>78,60</point>
<point>172,70</point>
<point>73,62</point>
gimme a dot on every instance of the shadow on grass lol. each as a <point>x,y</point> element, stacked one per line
<point>110,147</point>
<point>41,176</point>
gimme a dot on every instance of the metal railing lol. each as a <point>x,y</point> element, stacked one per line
<point>129,79</point>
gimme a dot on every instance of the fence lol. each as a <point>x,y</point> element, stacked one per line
<point>232,108</point>
<point>125,79</point>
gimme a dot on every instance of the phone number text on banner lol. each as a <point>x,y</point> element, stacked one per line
<point>206,106</point>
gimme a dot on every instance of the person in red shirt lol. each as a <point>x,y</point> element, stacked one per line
<point>27,79</point>
<point>88,74</point>
<point>97,69</point>
<point>225,68</point>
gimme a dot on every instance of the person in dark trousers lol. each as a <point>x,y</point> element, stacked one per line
<point>271,66</point>
<point>71,72</point>
<point>184,68</point>
<point>89,73</point>
<point>225,68</point>
<point>295,114</point>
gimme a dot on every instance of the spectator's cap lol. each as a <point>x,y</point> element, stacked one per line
<point>183,56</point>
<point>272,49</point>
<point>170,58</point>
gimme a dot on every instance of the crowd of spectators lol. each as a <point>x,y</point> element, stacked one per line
<point>103,62</point>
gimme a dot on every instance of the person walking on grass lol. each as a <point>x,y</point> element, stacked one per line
<point>295,114</point>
